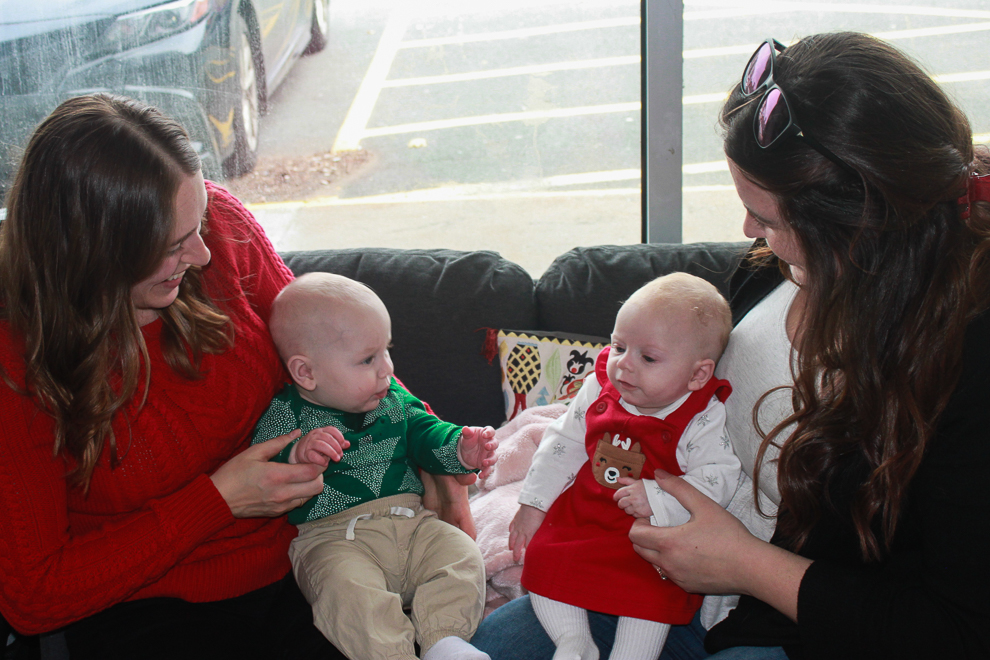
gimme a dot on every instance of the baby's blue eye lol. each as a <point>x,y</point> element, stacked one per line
<point>647,358</point>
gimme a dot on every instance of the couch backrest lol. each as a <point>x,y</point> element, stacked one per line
<point>441,302</point>
<point>582,290</point>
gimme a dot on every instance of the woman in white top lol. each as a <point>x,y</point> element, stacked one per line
<point>861,375</point>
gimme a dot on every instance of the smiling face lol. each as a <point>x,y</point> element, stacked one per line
<point>352,369</point>
<point>656,356</point>
<point>763,220</point>
<point>186,249</point>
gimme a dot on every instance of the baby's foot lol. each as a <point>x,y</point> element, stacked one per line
<point>454,648</point>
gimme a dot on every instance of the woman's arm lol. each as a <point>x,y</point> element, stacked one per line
<point>714,553</point>
<point>448,496</point>
<point>54,573</point>
<point>929,598</point>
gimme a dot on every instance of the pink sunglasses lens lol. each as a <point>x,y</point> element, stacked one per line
<point>758,69</point>
<point>772,118</point>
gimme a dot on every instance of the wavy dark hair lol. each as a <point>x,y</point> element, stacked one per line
<point>894,273</point>
<point>90,214</point>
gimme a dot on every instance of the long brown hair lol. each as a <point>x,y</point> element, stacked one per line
<point>89,215</point>
<point>894,274</point>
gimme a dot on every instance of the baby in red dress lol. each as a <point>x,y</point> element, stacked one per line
<point>653,402</point>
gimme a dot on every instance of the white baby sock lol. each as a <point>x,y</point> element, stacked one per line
<point>454,648</point>
<point>638,639</point>
<point>567,626</point>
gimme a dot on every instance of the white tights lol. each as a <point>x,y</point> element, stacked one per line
<point>567,625</point>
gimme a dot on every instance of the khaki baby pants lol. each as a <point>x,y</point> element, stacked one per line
<point>360,567</point>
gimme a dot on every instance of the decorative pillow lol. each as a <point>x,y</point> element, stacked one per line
<point>540,368</point>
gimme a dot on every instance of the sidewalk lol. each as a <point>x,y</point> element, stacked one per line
<point>528,228</point>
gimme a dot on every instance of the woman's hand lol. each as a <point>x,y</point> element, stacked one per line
<point>253,487</point>
<point>714,553</point>
<point>448,496</point>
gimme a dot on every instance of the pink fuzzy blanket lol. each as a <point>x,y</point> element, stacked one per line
<point>496,502</point>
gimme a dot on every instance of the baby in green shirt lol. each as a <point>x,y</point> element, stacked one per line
<point>366,547</point>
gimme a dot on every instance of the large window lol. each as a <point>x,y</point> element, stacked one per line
<point>512,126</point>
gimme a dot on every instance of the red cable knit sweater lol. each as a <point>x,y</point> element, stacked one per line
<point>155,525</point>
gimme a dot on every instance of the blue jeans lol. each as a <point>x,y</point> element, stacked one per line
<point>512,632</point>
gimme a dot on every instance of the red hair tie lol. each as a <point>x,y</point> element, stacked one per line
<point>978,190</point>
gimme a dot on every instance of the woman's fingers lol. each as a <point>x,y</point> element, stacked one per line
<point>270,448</point>
<point>253,486</point>
<point>646,539</point>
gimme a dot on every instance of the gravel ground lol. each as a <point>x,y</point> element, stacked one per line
<point>279,179</point>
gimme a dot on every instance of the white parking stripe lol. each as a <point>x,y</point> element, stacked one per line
<point>968,76</point>
<point>593,177</point>
<point>352,130</point>
<point>749,8</point>
<point>933,31</point>
<point>894,35</point>
<point>460,122</point>
<point>523,33</point>
<point>535,69</point>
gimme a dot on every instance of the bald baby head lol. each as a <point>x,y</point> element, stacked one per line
<point>314,311</point>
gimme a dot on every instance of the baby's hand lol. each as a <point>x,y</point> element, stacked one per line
<point>320,446</point>
<point>476,449</point>
<point>632,498</point>
<point>527,520</point>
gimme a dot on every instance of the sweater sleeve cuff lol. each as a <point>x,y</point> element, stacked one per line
<point>199,511</point>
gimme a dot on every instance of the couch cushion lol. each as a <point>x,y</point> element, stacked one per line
<point>583,289</point>
<point>440,302</point>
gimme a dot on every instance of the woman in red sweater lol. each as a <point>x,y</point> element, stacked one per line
<point>135,359</point>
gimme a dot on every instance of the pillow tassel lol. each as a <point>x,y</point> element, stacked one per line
<point>489,349</point>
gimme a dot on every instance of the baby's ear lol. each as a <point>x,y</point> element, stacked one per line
<point>703,371</point>
<point>302,372</point>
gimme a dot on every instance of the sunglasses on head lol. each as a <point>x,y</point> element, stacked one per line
<point>774,119</point>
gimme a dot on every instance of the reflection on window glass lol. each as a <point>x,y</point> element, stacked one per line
<point>211,64</point>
